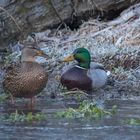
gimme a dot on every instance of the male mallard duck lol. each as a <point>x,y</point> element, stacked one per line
<point>28,78</point>
<point>86,75</point>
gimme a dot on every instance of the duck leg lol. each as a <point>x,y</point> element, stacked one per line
<point>32,102</point>
<point>12,100</point>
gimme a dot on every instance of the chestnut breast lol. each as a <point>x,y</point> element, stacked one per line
<point>76,78</point>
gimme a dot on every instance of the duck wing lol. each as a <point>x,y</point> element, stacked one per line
<point>94,65</point>
<point>97,74</point>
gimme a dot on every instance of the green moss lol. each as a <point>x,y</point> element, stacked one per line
<point>22,10</point>
<point>3,97</point>
<point>86,110</point>
<point>29,117</point>
<point>132,121</point>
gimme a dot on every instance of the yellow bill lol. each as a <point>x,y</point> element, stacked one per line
<point>69,58</point>
<point>42,54</point>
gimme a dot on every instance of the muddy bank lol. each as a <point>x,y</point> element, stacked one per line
<point>20,18</point>
<point>114,44</point>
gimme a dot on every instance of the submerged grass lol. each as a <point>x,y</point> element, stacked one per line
<point>3,98</point>
<point>86,110</point>
<point>133,121</point>
<point>21,117</point>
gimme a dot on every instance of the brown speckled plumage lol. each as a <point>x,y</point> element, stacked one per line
<point>26,79</point>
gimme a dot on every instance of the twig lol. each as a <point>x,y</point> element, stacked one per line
<point>98,8</point>
<point>75,92</point>
<point>11,17</point>
<point>85,37</point>
<point>56,12</point>
<point>94,3</point>
<point>58,29</point>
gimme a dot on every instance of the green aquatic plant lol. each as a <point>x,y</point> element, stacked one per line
<point>21,117</point>
<point>86,110</point>
<point>133,121</point>
<point>114,109</point>
<point>3,97</point>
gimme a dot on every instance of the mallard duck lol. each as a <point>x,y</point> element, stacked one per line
<point>27,78</point>
<point>86,75</point>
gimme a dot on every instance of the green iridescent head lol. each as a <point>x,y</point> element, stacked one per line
<point>82,56</point>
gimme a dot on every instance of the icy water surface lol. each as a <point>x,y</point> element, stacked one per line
<point>61,129</point>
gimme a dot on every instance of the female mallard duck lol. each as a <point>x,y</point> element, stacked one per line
<point>86,75</point>
<point>28,78</point>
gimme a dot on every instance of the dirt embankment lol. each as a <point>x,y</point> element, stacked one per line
<point>20,18</point>
<point>116,44</point>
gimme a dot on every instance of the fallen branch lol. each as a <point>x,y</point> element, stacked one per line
<point>11,18</point>
<point>56,12</point>
<point>75,92</point>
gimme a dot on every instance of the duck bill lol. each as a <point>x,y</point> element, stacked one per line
<point>69,58</point>
<point>45,56</point>
<point>42,54</point>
